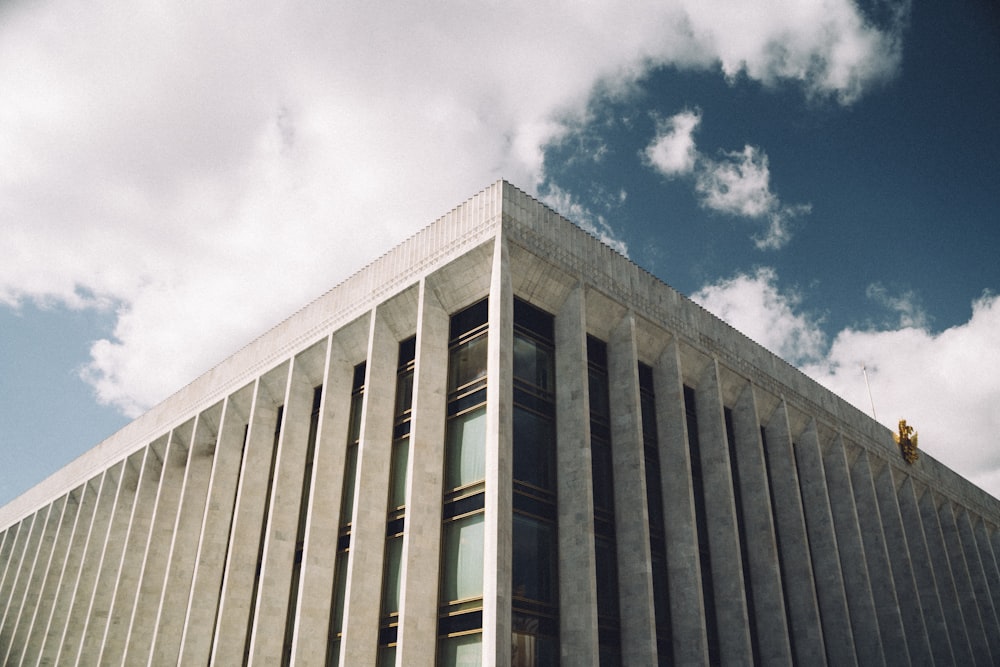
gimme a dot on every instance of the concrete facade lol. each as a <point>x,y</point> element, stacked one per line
<point>756,517</point>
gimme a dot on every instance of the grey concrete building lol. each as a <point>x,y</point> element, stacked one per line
<point>501,443</point>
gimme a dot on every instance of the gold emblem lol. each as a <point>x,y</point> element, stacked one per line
<point>907,441</point>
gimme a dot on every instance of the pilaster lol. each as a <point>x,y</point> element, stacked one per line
<point>687,610</point>
<point>635,583</point>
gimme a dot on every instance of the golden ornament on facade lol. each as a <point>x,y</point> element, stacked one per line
<point>907,441</point>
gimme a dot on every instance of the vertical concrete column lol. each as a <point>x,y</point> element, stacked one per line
<point>720,512</point>
<point>840,646</point>
<point>867,626</point>
<point>498,527</point>
<point>980,588</point>
<point>988,559</point>
<point>418,599</point>
<point>26,614</point>
<point>235,601</point>
<point>793,543</point>
<point>169,626</point>
<point>6,548</point>
<point>203,602</point>
<point>961,642</point>
<point>963,582</point>
<point>111,559</point>
<point>154,566</point>
<point>59,616</point>
<point>22,538</point>
<point>935,601</point>
<point>127,583</point>
<point>758,525</point>
<point>635,578</point>
<point>889,566</point>
<point>16,593</point>
<point>50,587</point>
<point>577,565</point>
<point>320,548</point>
<point>273,590</point>
<point>364,571</point>
<point>687,610</point>
<point>87,575</point>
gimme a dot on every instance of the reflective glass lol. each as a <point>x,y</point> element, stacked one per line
<point>466,449</point>
<point>339,592</point>
<point>393,569</point>
<point>607,578</point>
<point>398,477</point>
<point>530,650</point>
<point>463,558</point>
<point>533,363</point>
<point>598,385</point>
<point>534,567</point>
<point>404,393</point>
<point>354,429</point>
<point>462,651</point>
<point>534,449</point>
<point>350,477</point>
<point>467,363</point>
<point>387,656</point>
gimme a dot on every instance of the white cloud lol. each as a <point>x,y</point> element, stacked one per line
<point>210,167</point>
<point>754,305</point>
<point>740,184</point>
<point>946,384</point>
<point>672,151</point>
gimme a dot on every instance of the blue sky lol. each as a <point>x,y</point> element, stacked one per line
<point>174,181</point>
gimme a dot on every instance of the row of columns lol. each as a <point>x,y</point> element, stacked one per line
<point>183,551</point>
<point>850,560</point>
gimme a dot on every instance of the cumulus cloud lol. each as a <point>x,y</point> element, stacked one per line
<point>753,304</point>
<point>946,384</point>
<point>207,168</point>
<point>672,152</point>
<point>738,183</point>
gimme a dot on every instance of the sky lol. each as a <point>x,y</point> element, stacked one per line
<point>177,178</point>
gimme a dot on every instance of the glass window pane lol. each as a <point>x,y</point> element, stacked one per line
<point>354,428</point>
<point>387,656</point>
<point>533,364</point>
<point>607,578</point>
<point>534,449</point>
<point>530,650</point>
<point>601,471</point>
<point>393,569</point>
<point>468,363</point>
<point>398,477</point>
<point>466,449</point>
<point>463,559</point>
<point>404,392</point>
<point>350,477</point>
<point>534,567</point>
<point>463,651</point>
<point>598,384</point>
<point>339,592</point>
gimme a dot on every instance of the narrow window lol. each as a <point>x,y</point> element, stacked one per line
<point>741,529</point>
<point>608,615</point>
<point>396,517</point>
<point>654,502</point>
<point>460,619</point>
<point>263,534</point>
<point>346,515</point>
<point>300,531</point>
<point>701,522</point>
<point>535,577</point>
